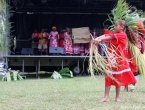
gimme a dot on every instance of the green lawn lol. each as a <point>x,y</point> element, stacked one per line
<point>79,93</point>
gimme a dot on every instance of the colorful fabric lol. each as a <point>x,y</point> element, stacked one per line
<point>43,38</point>
<point>76,49</point>
<point>82,48</point>
<point>131,60</point>
<point>141,29</point>
<point>68,44</point>
<point>61,40</point>
<point>34,35</point>
<point>117,63</point>
<point>140,25</point>
<point>54,36</point>
<point>106,31</point>
<point>87,48</point>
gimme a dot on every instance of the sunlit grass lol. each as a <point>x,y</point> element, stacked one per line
<point>79,93</point>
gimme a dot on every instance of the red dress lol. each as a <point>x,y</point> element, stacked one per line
<point>82,49</point>
<point>106,31</point>
<point>117,62</point>
<point>67,43</point>
<point>87,48</point>
<point>54,36</point>
<point>132,62</point>
<point>61,40</point>
<point>76,49</point>
<point>141,29</point>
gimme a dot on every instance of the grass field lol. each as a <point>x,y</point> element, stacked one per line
<point>79,93</point>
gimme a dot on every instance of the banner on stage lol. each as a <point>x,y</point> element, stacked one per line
<point>81,35</point>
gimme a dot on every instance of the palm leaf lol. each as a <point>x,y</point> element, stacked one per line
<point>118,12</point>
<point>139,57</point>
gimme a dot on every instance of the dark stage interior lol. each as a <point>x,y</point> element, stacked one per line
<point>38,14</point>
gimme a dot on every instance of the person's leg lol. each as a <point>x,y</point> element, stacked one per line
<point>106,95</point>
<point>132,87</point>
<point>117,99</point>
<point>46,51</point>
<point>40,48</point>
<point>126,88</point>
<point>45,48</point>
<point>40,51</point>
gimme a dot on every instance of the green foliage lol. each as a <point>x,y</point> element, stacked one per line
<point>56,75</point>
<point>12,75</point>
<point>118,12</point>
<point>63,73</point>
<point>139,57</point>
<point>5,26</point>
<point>121,12</point>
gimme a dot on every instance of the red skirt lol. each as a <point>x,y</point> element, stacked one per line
<point>61,43</point>
<point>123,79</point>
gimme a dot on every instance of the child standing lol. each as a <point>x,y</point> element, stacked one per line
<point>117,64</point>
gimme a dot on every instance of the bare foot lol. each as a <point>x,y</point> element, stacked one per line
<point>132,90</point>
<point>125,90</point>
<point>104,100</point>
<point>117,100</point>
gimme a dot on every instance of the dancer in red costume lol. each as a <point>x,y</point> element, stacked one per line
<point>117,63</point>
<point>140,44</point>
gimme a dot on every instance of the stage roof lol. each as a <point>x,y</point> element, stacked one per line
<point>69,6</point>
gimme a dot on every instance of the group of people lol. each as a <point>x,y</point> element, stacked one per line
<point>63,39</point>
<point>121,63</point>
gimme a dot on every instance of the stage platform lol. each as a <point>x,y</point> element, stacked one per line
<point>46,56</point>
<point>39,61</point>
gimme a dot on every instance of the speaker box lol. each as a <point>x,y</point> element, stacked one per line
<point>27,51</point>
<point>56,50</point>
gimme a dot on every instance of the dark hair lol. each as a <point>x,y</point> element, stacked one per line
<point>130,34</point>
<point>133,9</point>
<point>106,27</point>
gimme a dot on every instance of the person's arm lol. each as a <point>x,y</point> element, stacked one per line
<point>58,36</point>
<point>49,35</point>
<point>102,38</point>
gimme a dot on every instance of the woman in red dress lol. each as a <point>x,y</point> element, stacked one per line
<point>54,36</point>
<point>140,44</point>
<point>68,42</point>
<point>133,64</point>
<point>61,39</point>
<point>117,63</point>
